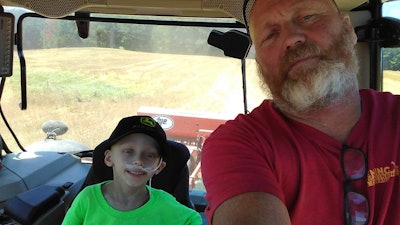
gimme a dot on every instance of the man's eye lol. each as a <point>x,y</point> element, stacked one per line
<point>271,35</point>
<point>307,17</point>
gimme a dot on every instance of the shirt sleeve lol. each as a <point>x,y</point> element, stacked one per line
<point>234,161</point>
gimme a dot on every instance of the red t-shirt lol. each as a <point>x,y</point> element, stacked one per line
<point>264,151</point>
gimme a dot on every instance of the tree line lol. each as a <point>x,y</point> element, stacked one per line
<point>42,33</point>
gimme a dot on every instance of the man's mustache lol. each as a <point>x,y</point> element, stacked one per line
<point>299,52</point>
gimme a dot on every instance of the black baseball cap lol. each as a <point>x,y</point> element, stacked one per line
<point>139,124</point>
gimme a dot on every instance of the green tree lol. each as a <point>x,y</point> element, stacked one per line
<point>391,58</point>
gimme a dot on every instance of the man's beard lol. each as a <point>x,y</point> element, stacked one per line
<point>311,88</point>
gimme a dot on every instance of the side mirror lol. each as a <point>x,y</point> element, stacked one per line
<point>234,43</point>
<point>385,31</point>
<point>83,24</point>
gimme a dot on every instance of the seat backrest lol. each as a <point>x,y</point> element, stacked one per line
<point>174,178</point>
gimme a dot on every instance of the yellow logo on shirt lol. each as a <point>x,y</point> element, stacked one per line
<point>382,174</point>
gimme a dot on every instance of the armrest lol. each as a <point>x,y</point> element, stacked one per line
<point>26,207</point>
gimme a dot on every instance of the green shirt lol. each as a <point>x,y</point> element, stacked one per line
<point>90,207</point>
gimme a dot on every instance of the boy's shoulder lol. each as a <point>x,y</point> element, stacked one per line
<point>174,208</point>
<point>162,197</point>
<point>91,191</point>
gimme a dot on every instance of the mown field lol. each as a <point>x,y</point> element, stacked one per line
<point>90,90</point>
<point>391,81</point>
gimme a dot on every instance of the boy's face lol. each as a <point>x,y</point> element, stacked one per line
<point>134,159</point>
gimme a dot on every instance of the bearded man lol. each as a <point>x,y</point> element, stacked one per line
<point>309,155</point>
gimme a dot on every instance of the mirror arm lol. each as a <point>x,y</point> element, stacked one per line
<point>244,86</point>
<point>18,40</point>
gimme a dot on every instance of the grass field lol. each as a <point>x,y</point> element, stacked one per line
<point>91,89</point>
<point>91,92</point>
<point>391,81</point>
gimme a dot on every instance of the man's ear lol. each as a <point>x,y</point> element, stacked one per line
<point>107,158</point>
<point>349,26</point>
<point>162,166</point>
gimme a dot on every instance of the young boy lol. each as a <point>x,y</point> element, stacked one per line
<point>136,149</point>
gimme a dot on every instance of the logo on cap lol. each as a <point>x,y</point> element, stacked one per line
<point>148,121</point>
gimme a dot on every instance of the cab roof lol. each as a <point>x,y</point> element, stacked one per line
<point>189,8</point>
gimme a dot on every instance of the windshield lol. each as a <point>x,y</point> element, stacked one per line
<point>128,67</point>
<point>391,56</point>
<point>123,69</point>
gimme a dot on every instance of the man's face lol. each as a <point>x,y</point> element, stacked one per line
<point>305,52</point>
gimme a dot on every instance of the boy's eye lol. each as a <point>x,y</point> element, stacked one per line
<point>150,155</point>
<point>128,151</point>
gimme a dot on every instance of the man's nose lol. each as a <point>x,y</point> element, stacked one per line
<point>295,36</point>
